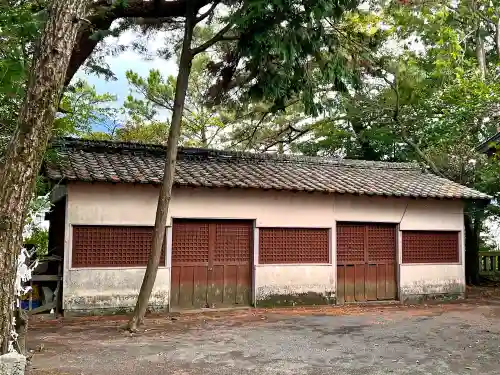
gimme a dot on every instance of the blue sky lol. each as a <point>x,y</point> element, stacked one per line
<point>129,60</point>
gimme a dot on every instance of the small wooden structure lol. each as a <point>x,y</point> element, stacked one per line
<point>489,263</point>
<point>54,262</point>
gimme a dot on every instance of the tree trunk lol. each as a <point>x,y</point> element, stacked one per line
<point>367,151</point>
<point>472,231</point>
<point>204,140</point>
<point>168,177</point>
<point>21,330</point>
<point>497,38</point>
<point>21,161</point>
<point>480,53</point>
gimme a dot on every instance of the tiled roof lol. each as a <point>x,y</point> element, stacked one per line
<point>487,144</point>
<point>118,162</point>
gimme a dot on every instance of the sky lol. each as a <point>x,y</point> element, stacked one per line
<point>119,65</point>
<point>129,60</point>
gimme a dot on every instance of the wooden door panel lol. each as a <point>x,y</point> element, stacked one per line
<point>340,295</point>
<point>190,255</point>
<point>392,289</point>
<point>381,281</point>
<point>350,280</point>
<point>231,252</point>
<point>359,283</point>
<point>230,285</point>
<point>244,285</point>
<point>366,262</point>
<point>371,282</point>
<point>189,286</point>
<point>211,263</point>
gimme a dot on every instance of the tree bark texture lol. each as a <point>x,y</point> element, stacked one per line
<point>22,330</point>
<point>367,150</point>
<point>168,176</point>
<point>480,53</point>
<point>21,162</point>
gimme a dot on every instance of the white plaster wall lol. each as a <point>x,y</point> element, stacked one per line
<point>114,288</point>
<point>124,204</point>
<point>94,288</point>
<point>268,208</point>
<point>272,280</point>
<point>108,204</point>
<point>128,204</point>
<point>410,214</point>
<point>432,279</point>
<point>433,215</point>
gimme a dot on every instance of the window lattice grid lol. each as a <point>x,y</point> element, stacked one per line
<point>381,243</point>
<point>430,247</point>
<point>112,246</point>
<point>190,242</point>
<point>350,243</point>
<point>232,242</point>
<point>293,245</point>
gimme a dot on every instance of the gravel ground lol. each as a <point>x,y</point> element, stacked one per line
<point>441,339</point>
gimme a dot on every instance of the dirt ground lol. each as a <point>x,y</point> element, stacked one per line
<point>458,338</point>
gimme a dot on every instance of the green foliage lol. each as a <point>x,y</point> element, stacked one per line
<point>285,50</point>
<point>146,132</point>
<point>39,239</point>
<point>19,26</point>
<point>82,108</point>
<point>429,104</point>
<point>151,103</point>
<point>34,233</point>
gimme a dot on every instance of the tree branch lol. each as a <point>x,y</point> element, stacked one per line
<point>209,43</point>
<point>249,138</point>
<point>214,136</point>
<point>256,128</point>
<point>63,111</point>
<point>298,133</point>
<point>103,16</point>
<point>404,133</point>
<point>231,37</point>
<point>201,17</point>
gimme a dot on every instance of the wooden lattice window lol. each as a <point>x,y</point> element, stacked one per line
<point>293,245</point>
<point>112,246</point>
<point>430,247</point>
<point>190,242</point>
<point>351,243</point>
<point>381,244</point>
<point>366,242</point>
<point>231,242</point>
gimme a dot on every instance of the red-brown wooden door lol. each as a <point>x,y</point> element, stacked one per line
<point>366,262</point>
<point>211,263</point>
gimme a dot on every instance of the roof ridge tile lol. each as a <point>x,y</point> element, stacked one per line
<point>132,162</point>
<point>105,146</point>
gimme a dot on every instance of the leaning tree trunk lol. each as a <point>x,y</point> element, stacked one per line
<point>22,159</point>
<point>168,177</point>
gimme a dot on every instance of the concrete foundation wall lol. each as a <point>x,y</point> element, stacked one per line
<point>117,289</point>
<point>121,204</point>
<point>291,284</point>
<point>431,280</point>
